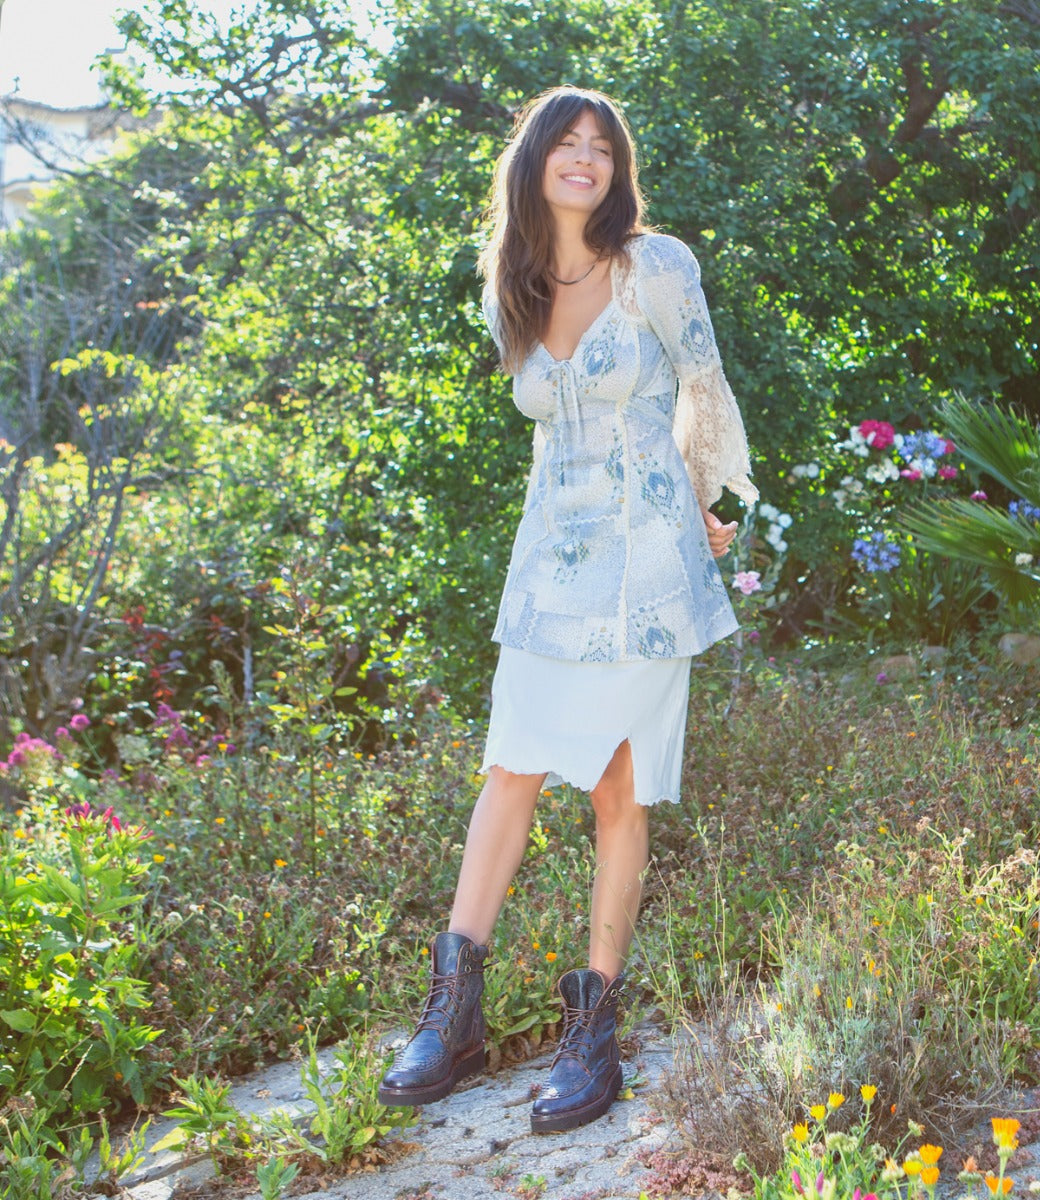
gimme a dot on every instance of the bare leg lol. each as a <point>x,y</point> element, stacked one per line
<point>622,854</point>
<point>495,845</point>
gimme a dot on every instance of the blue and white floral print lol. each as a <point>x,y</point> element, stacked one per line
<point>611,561</point>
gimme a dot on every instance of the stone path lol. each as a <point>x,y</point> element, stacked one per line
<point>475,1143</point>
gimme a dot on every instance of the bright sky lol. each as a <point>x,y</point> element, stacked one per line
<point>47,47</point>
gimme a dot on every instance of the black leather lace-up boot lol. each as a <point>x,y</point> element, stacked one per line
<point>585,1076</point>
<point>448,1043</point>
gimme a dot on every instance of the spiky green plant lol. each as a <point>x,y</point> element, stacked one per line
<point>1006,446</point>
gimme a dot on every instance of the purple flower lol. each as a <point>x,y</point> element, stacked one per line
<point>16,757</point>
<point>1025,510</point>
<point>62,734</point>
<point>79,721</point>
<point>881,677</point>
<point>819,1183</point>
<point>753,635</point>
<point>979,496</point>
<point>876,552</point>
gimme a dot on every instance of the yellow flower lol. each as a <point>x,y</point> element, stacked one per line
<point>817,1112</point>
<point>536,945</point>
<point>220,820</point>
<point>280,862</point>
<point>159,858</point>
<point>930,1155</point>
<point>1004,1131</point>
<point>999,1187</point>
<point>835,1100</point>
<point>800,1133</point>
<point>913,1166</point>
<point>930,1176</point>
<point>425,950</point>
<point>868,1091</point>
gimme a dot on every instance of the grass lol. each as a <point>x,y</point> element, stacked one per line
<point>847,890</point>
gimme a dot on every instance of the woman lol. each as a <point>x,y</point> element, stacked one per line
<point>612,585</point>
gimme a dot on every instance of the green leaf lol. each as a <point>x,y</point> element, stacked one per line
<point>19,1020</point>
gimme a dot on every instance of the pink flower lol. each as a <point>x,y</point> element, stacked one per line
<point>796,1183</point>
<point>748,582</point>
<point>979,496</point>
<point>16,758</point>
<point>79,721</point>
<point>878,434</point>
<point>911,474</point>
<point>949,447</point>
<point>947,472</point>
<point>61,733</point>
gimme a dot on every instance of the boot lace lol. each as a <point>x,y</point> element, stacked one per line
<point>576,1040</point>
<point>441,1001</point>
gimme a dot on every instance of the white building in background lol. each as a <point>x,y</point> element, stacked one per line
<point>38,142</point>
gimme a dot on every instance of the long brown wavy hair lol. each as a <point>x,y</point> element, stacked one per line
<point>518,254</point>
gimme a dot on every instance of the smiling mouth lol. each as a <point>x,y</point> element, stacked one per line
<point>583,179</point>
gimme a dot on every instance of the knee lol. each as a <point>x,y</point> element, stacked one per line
<point>614,803</point>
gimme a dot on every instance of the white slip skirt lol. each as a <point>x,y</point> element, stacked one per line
<point>568,718</point>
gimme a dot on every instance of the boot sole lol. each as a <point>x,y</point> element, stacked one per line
<point>573,1118</point>
<point>394,1097</point>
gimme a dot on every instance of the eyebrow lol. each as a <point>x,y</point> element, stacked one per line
<point>599,137</point>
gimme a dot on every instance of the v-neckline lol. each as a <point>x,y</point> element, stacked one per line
<point>588,328</point>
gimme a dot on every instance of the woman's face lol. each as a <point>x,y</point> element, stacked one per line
<point>579,169</point>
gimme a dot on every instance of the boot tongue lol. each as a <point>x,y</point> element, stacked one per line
<point>446,950</point>
<point>582,989</point>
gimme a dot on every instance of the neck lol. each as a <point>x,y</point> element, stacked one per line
<point>571,255</point>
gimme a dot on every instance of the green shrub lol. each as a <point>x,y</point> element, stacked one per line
<point>71,1032</point>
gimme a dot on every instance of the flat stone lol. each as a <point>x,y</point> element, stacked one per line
<point>899,666</point>
<point>1021,648</point>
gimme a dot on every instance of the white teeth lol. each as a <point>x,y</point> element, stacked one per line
<point>578,178</point>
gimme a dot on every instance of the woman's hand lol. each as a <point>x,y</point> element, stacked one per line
<point>720,537</point>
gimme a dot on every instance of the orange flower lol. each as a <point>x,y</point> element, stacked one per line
<point>1004,1131</point>
<point>930,1176</point>
<point>930,1155</point>
<point>550,956</point>
<point>999,1187</point>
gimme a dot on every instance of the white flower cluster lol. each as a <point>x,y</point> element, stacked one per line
<point>855,443</point>
<point>806,471</point>
<point>1023,560</point>
<point>778,522</point>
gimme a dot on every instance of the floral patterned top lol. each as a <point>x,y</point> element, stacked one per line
<point>611,559</point>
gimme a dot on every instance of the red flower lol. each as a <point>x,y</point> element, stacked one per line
<point>878,434</point>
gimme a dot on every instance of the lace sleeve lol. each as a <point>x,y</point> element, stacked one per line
<point>707,427</point>
<point>489,305</point>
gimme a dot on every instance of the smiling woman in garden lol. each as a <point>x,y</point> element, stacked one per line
<point>612,586</point>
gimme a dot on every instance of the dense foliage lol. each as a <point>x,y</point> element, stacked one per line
<point>249,346</point>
